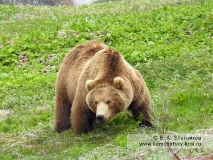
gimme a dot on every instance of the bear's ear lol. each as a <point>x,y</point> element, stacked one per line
<point>118,82</point>
<point>90,84</point>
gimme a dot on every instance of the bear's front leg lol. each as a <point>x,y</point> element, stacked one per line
<point>62,114</point>
<point>82,119</point>
<point>146,111</point>
<point>135,111</point>
<point>141,107</point>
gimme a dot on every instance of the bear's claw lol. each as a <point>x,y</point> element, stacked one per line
<point>146,124</point>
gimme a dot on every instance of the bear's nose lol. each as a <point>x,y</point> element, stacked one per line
<point>100,118</point>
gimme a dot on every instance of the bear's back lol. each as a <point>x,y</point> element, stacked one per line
<point>82,53</point>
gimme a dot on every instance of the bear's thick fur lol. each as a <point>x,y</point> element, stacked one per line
<point>95,82</point>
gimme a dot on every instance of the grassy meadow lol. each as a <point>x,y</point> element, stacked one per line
<point>169,42</point>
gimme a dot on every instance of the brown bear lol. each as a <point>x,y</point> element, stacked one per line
<point>95,82</point>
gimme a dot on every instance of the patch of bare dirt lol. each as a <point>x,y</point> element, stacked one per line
<point>4,114</point>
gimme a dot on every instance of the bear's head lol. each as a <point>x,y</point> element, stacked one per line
<point>106,100</point>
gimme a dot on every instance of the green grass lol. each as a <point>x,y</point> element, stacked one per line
<point>170,43</point>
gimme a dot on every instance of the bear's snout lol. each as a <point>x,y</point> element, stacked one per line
<point>100,118</point>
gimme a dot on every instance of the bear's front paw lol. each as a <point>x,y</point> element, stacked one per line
<point>146,124</point>
<point>60,127</point>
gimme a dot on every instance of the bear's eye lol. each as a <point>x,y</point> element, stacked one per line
<point>108,102</point>
<point>96,102</point>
